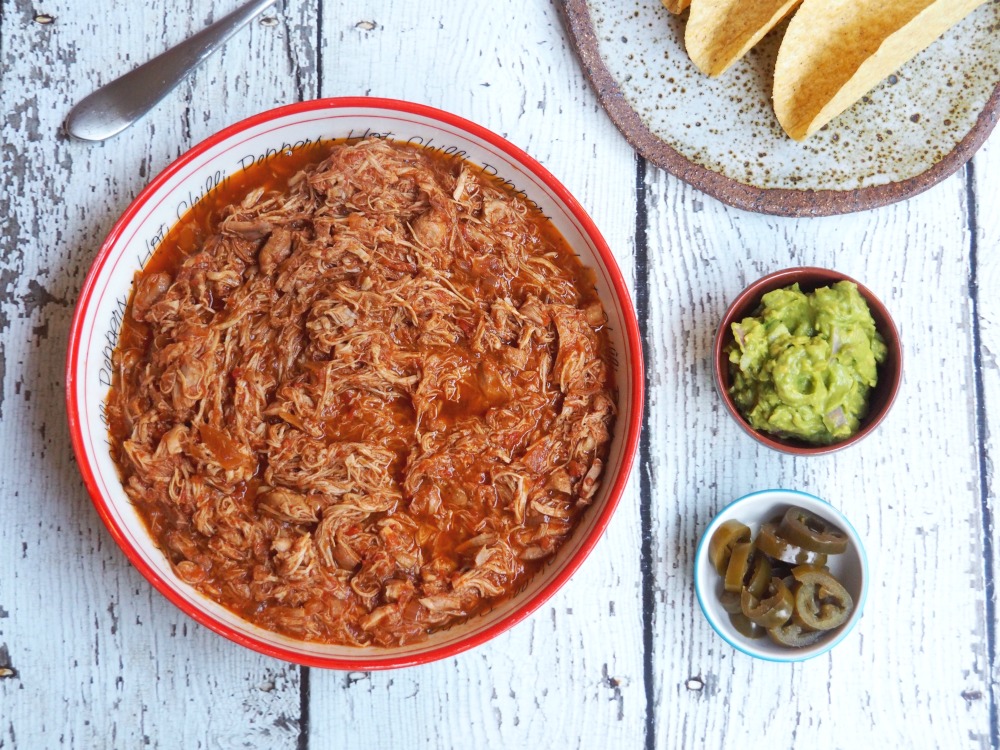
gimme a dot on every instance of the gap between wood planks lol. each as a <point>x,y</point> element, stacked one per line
<point>304,697</point>
<point>319,49</point>
<point>645,498</point>
<point>980,394</point>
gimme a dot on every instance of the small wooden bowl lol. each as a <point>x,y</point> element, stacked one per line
<point>890,372</point>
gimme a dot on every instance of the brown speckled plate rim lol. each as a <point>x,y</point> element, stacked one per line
<point>775,201</point>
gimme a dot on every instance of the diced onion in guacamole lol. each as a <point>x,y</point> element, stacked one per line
<point>803,366</point>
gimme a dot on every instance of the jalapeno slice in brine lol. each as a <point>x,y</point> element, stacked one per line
<point>739,566</point>
<point>771,543</point>
<point>793,635</point>
<point>745,626</point>
<point>810,532</point>
<point>821,602</point>
<point>720,546</point>
<point>773,611</point>
<point>730,602</point>
<point>760,575</point>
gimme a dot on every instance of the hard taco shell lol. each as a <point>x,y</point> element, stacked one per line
<point>835,51</point>
<point>675,6</point>
<point>720,32</point>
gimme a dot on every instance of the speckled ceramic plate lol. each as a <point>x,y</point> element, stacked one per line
<point>721,135</point>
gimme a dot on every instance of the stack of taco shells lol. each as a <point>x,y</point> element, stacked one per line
<point>833,51</point>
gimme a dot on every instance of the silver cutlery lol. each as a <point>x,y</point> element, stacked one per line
<point>115,106</point>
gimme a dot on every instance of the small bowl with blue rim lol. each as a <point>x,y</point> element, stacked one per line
<point>849,568</point>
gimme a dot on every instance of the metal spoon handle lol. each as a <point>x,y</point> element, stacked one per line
<point>112,108</point>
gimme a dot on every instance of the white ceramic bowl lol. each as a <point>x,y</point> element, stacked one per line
<point>102,302</point>
<point>850,568</point>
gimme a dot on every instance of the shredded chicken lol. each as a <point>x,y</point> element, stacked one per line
<point>368,404</point>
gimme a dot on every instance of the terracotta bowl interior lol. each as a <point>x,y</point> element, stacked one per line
<point>809,279</point>
<point>99,311</point>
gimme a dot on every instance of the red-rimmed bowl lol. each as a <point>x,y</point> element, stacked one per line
<point>890,372</point>
<point>98,315</point>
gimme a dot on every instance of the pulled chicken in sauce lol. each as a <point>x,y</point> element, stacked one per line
<point>365,401</point>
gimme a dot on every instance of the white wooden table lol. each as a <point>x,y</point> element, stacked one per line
<point>92,657</point>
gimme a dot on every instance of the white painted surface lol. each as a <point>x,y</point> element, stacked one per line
<point>103,661</point>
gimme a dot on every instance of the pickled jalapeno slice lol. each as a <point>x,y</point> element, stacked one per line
<point>770,543</point>
<point>760,575</point>
<point>720,546</point>
<point>821,602</point>
<point>810,532</point>
<point>793,635</point>
<point>773,611</point>
<point>745,626</point>
<point>730,602</point>
<point>739,566</point>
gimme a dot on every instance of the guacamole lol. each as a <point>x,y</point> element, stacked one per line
<point>803,366</point>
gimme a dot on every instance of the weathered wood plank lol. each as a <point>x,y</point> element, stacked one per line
<point>910,489</point>
<point>101,659</point>
<point>571,676</point>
